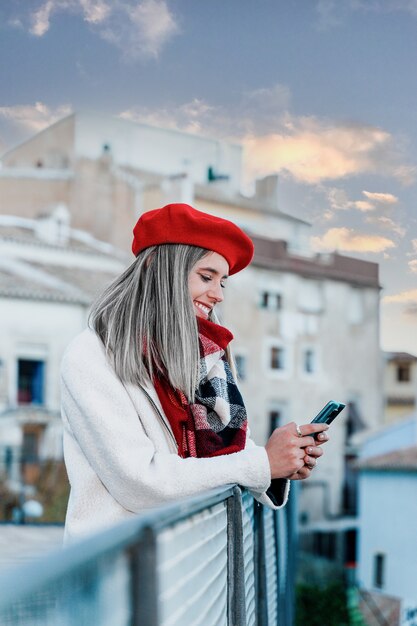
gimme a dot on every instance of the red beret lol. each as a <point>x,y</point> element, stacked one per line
<point>180,223</point>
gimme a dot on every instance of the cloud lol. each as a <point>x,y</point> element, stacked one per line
<point>277,97</point>
<point>413,265</point>
<point>408,297</point>
<point>40,19</point>
<point>386,223</point>
<point>312,150</point>
<point>383,198</point>
<point>195,116</point>
<point>333,13</point>
<point>150,25</point>
<point>406,174</point>
<point>347,240</point>
<point>256,112</point>
<point>337,198</point>
<point>33,118</point>
<point>363,205</point>
<point>340,201</point>
<point>140,29</point>
<point>414,244</point>
<point>95,12</point>
<point>329,14</point>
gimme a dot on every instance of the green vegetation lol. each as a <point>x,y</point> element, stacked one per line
<point>53,491</point>
<point>322,605</point>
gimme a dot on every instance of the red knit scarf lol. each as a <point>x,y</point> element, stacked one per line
<point>216,422</point>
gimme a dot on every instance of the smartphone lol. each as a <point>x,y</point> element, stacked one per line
<point>329,412</point>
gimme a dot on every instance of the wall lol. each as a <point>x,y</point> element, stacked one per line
<point>53,147</point>
<point>388,513</point>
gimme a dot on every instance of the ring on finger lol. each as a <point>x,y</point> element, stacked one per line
<point>298,429</point>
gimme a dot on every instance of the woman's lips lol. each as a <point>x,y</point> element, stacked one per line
<point>202,308</point>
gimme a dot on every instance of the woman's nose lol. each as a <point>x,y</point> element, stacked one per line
<point>216,292</point>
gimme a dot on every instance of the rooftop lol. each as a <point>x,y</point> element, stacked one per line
<point>24,231</point>
<point>399,356</point>
<point>273,254</point>
<point>401,460</point>
<point>45,259</point>
<point>36,281</point>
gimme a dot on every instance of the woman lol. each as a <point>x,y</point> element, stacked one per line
<point>150,406</point>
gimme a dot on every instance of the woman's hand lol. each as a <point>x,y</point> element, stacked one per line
<point>291,455</point>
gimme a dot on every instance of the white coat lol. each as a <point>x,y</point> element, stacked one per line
<point>120,452</point>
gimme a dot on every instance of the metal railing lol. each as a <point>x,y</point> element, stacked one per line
<point>218,559</point>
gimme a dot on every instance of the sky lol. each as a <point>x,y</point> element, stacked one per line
<point>321,92</point>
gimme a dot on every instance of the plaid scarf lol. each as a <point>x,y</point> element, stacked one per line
<point>215,423</point>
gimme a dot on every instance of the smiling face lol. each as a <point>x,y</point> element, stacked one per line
<point>206,282</point>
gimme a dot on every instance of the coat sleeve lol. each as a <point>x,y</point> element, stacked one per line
<point>276,495</point>
<point>101,418</point>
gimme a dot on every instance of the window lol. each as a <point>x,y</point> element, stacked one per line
<point>240,362</point>
<point>308,324</point>
<point>271,301</point>
<point>309,361</point>
<point>310,297</point>
<point>403,373</point>
<point>355,308</point>
<point>379,570</point>
<point>30,381</point>
<point>325,544</point>
<point>274,419</point>
<point>277,358</point>
<point>277,413</point>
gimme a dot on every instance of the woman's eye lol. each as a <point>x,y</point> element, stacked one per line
<point>223,285</point>
<point>205,278</point>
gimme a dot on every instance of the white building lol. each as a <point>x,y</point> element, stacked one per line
<point>387,567</point>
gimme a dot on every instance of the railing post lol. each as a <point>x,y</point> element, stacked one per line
<point>260,562</point>
<point>236,604</point>
<point>144,582</point>
<point>292,549</point>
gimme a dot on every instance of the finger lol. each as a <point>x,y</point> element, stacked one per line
<point>308,429</point>
<point>322,437</point>
<point>310,461</point>
<point>303,442</point>
<point>302,473</point>
<point>315,452</point>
